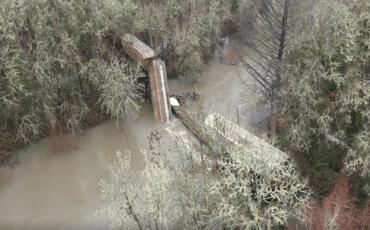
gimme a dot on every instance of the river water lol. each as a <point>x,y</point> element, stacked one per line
<point>53,189</point>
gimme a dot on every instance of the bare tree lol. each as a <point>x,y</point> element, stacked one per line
<point>272,32</point>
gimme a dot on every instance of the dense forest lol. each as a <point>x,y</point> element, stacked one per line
<point>59,57</point>
<point>62,69</point>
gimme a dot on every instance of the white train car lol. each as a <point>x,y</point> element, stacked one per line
<point>267,156</point>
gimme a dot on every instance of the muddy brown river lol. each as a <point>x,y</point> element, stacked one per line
<point>60,189</point>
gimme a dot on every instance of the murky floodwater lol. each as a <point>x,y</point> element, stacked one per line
<point>60,190</point>
<point>225,87</point>
<point>52,189</point>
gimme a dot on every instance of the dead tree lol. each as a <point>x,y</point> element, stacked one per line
<point>271,33</point>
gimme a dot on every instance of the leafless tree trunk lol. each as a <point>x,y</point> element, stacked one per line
<point>272,33</point>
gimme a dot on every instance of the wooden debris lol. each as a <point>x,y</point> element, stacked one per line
<point>189,122</point>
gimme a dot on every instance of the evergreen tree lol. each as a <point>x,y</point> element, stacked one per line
<point>326,96</point>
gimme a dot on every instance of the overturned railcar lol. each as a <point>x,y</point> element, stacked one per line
<point>137,50</point>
